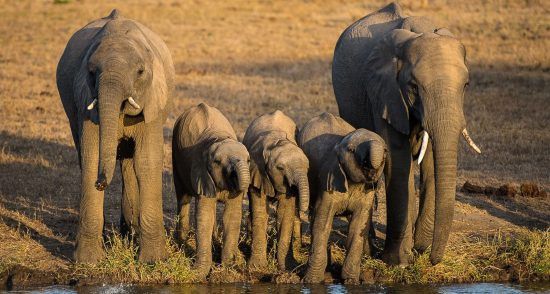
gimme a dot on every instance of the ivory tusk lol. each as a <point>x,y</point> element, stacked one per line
<point>133,103</point>
<point>91,106</point>
<point>423,147</point>
<point>470,141</point>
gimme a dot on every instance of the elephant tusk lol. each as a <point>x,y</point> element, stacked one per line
<point>133,103</point>
<point>91,106</point>
<point>425,138</point>
<point>470,141</point>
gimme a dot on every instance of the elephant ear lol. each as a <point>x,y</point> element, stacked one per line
<point>332,176</point>
<point>444,32</point>
<point>84,90</point>
<point>381,80</point>
<point>202,182</point>
<point>260,180</point>
<point>157,96</point>
<point>259,177</point>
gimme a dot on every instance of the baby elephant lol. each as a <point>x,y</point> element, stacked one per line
<point>279,171</point>
<point>345,165</point>
<point>210,165</point>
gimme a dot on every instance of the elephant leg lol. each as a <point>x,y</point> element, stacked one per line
<point>183,211</point>
<point>358,229</point>
<point>259,215</point>
<point>424,227</point>
<point>325,209</point>
<point>369,247</point>
<point>130,214</point>
<point>286,210</point>
<point>205,210</point>
<point>296,232</point>
<point>148,161</point>
<point>232,218</point>
<point>89,241</point>
<point>399,198</point>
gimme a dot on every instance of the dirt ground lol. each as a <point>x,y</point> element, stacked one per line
<point>248,58</point>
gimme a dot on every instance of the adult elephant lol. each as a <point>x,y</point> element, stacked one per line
<point>115,79</point>
<point>405,79</point>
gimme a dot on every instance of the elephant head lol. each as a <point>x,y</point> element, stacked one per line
<point>284,169</point>
<point>224,165</point>
<point>121,74</point>
<point>417,84</point>
<point>359,157</point>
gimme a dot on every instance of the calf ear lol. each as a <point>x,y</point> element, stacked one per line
<point>332,176</point>
<point>202,181</point>
<point>85,91</point>
<point>260,180</point>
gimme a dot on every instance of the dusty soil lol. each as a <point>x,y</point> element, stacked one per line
<point>248,58</point>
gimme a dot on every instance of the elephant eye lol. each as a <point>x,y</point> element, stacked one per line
<point>414,87</point>
<point>140,71</point>
<point>217,161</point>
<point>280,167</point>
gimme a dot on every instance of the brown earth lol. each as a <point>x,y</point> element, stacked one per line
<point>248,58</point>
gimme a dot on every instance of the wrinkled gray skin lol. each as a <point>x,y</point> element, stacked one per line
<point>398,76</point>
<point>279,171</point>
<point>345,166</point>
<point>211,165</point>
<point>112,59</point>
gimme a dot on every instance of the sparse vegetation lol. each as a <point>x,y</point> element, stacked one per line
<point>250,57</point>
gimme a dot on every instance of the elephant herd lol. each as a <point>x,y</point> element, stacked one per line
<point>399,83</point>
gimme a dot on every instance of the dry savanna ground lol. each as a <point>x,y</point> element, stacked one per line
<point>251,57</point>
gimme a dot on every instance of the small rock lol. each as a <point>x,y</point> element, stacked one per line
<point>531,190</point>
<point>507,190</point>
<point>471,188</point>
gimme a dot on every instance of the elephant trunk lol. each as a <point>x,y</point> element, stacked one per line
<point>444,125</point>
<point>243,175</point>
<point>300,179</point>
<point>111,95</point>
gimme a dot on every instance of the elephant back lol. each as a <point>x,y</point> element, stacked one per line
<point>319,136</point>
<point>275,121</point>
<point>201,122</point>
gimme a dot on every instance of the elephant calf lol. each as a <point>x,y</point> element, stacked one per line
<point>210,165</point>
<point>279,171</point>
<point>345,165</point>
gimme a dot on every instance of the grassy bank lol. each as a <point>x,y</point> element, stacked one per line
<point>502,256</point>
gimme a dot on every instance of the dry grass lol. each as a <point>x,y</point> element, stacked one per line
<point>251,57</point>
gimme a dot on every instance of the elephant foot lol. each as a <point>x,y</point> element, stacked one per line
<point>314,277</point>
<point>89,251</point>
<point>151,251</point>
<point>351,281</point>
<point>181,236</point>
<point>350,277</point>
<point>201,271</point>
<point>421,246</point>
<point>257,263</point>
<point>395,258</point>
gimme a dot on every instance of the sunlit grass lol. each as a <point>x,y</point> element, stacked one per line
<point>518,256</point>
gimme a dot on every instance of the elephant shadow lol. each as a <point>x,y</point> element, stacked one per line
<point>40,191</point>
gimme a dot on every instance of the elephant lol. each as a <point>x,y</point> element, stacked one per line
<point>405,79</point>
<point>278,171</point>
<point>210,165</point>
<point>115,79</point>
<point>345,167</point>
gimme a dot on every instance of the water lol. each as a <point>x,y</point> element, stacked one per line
<point>305,289</point>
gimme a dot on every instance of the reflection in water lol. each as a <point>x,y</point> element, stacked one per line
<point>306,289</point>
